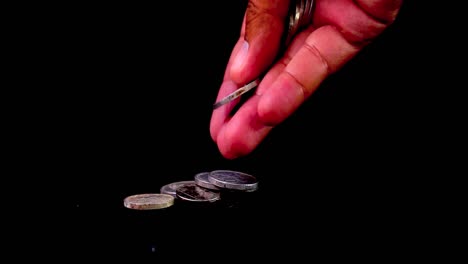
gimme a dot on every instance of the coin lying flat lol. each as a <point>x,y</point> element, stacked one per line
<point>201,179</point>
<point>172,187</point>
<point>234,180</point>
<point>149,201</point>
<point>195,193</point>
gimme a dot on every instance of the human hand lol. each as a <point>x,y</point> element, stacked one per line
<point>339,30</point>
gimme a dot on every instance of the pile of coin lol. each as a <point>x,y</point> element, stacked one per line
<point>206,187</point>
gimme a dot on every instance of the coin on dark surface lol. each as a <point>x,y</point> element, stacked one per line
<point>201,179</point>
<point>233,180</point>
<point>194,193</point>
<point>149,201</point>
<point>172,187</point>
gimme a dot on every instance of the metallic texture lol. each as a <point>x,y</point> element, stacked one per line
<point>195,193</point>
<point>172,187</point>
<point>233,180</point>
<point>201,179</point>
<point>149,201</point>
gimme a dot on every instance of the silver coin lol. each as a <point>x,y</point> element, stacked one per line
<point>232,96</point>
<point>300,16</point>
<point>306,17</point>
<point>201,179</point>
<point>194,193</point>
<point>309,12</point>
<point>303,7</point>
<point>234,180</point>
<point>172,187</point>
<point>149,201</point>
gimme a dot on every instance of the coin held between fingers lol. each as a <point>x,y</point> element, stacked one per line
<point>234,95</point>
<point>300,16</point>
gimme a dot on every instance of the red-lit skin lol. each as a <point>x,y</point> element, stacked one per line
<point>340,29</point>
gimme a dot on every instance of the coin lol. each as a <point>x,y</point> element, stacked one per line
<point>236,93</point>
<point>234,180</point>
<point>194,193</point>
<point>172,187</point>
<point>201,179</point>
<point>148,201</point>
<point>294,20</point>
<point>309,12</point>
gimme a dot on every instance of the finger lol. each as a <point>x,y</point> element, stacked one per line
<point>244,131</point>
<point>289,82</point>
<point>264,26</point>
<point>279,66</point>
<point>359,21</point>
<point>241,135</point>
<point>222,114</point>
<point>259,14</point>
<point>384,11</point>
<point>324,51</point>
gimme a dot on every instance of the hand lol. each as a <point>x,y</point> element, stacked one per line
<point>339,30</point>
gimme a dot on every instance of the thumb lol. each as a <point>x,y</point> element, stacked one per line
<point>264,24</point>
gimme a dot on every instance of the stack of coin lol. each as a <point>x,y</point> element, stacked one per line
<point>300,16</point>
<point>205,188</point>
<point>233,180</point>
<point>210,186</point>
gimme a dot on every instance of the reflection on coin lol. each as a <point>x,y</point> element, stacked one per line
<point>234,180</point>
<point>195,193</point>
<point>234,95</point>
<point>149,201</point>
<point>172,187</point>
<point>300,16</point>
<point>201,179</point>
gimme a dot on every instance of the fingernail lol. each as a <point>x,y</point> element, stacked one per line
<point>241,57</point>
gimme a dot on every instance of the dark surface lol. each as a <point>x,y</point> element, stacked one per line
<point>139,82</point>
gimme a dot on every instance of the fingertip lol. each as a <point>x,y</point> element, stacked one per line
<point>213,131</point>
<point>220,116</point>
<point>258,49</point>
<point>265,113</point>
<point>280,101</point>
<point>231,143</point>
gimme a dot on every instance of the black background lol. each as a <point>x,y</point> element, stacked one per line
<point>135,87</point>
